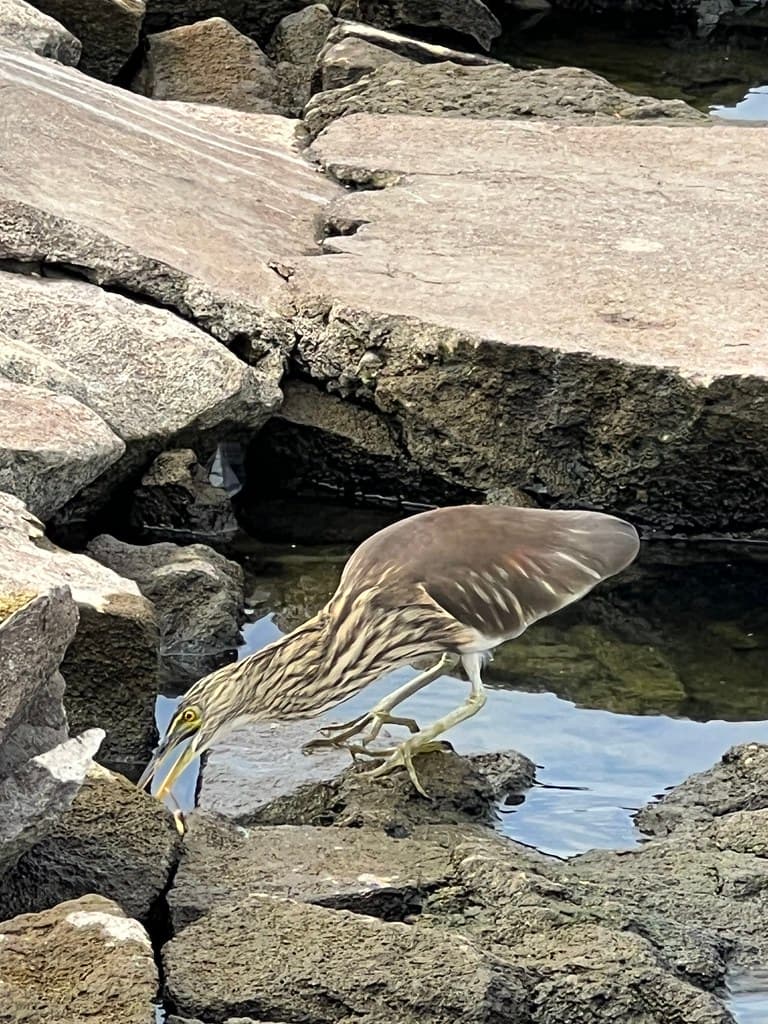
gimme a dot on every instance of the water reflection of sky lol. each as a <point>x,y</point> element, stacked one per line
<point>754,107</point>
<point>621,761</point>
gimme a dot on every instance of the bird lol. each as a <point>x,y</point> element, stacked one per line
<point>452,582</point>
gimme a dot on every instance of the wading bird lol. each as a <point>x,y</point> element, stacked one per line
<point>454,582</point>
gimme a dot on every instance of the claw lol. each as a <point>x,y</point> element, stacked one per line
<point>402,757</point>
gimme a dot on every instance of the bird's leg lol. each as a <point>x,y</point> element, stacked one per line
<point>426,739</point>
<point>379,716</point>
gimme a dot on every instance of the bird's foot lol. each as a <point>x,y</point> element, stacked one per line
<point>338,735</point>
<point>402,757</point>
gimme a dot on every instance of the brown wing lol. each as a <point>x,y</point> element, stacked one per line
<point>494,568</point>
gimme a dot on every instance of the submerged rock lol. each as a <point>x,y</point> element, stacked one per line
<point>51,446</point>
<point>111,664</point>
<point>275,958</point>
<point>25,25</point>
<point>108,30</point>
<point>113,840</point>
<point>197,594</point>
<point>177,501</point>
<point>79,961</point>
<point>209,62</point>
<point>38,793</point>
<point>488,93</point>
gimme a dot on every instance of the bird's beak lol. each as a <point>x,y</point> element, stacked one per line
<point>175,742</point>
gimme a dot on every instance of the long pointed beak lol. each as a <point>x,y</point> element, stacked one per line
<point>183,748</point>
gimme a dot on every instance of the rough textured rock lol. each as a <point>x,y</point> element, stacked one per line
<point>35,631</point>
<point>450,19</point>
<point>197,594</point>
<point>26,26</point>
<point>275,958</point>
<point>51,446</point>
<point>349,869</point>
<point>81,960</point>
<point>113,840</point>
<point>108,30</point>
<point>353,50</point>
<point>111,665</point>
<point>658,414</point>
<point>255,19</point>
<point>39,792</point>
<point>739,782</point>
<point>177,501</point>
<point>153,378</point>
<point>295,44</point>
<point>112,189</point>
<point>209,62</point>
<point>489,93</point>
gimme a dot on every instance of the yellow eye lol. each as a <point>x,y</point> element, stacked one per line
<point>189,715</point>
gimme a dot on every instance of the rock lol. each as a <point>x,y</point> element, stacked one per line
<point>33,639</point>
<point>197,594</point>
<point>108,30</point>
<point>353,50</point>
<point>39,792</point>
<point>79,960</point>
<point>449,19</point>
<point>738,782</point>
<point>458,795</point>
<point>111,664</point>
<point>657,416</point>
<point>509,772</point>
<point>275,958</point>
<point>295,44</point>
<point>209,62</point>
<point>254,19</point>
<point>25,25</point>
<point>499,91</point>
<point>149,375</point>
<point>265,203</point>
<point>347,869</point>
<point>350,60</point>
<point>51,446</point>
<point>114,840</point>
<point>176,500</point>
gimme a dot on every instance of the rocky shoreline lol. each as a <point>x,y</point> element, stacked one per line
<point>249,250</point>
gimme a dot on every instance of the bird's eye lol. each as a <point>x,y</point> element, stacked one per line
<point>188,716</point>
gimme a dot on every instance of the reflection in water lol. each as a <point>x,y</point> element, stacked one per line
<point>747,993</point>
<point>754,107</point>
<point>648,679</point>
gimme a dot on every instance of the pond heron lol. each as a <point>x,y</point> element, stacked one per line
<point>454,582</point>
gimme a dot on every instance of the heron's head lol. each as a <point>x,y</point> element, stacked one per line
<point>204,715</point>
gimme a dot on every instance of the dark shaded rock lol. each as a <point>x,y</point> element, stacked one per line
<point>111,665</point>
<point>176,501</point>
<point>458,794</point>
<point>39,792</point>
<point>356,869</point>
<point>274,958</point>
<point>449,19</point>
<point>657,418</point>
<point>108,29</point>
<point>508,772</point>
<point>51,446</point>
<point>81,959</point>
<point>737,783</point>
<point>488,93</point>
<point>35,630</point>
<point>209,62</point>
<point>295,44</point>
<point>197,594</point>
<point>254,19</point>
<point>114,840</point>
<point>353,50</point>
<point>154,379</point>
<point>26,26</point>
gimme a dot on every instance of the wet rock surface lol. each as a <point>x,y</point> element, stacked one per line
<point>209,62</point>
<point>489,93</point>
<point>82,957</point>
<point>197,594</point>
<point>26,26</point>
<point>113,840</point>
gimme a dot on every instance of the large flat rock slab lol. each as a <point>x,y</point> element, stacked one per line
<point>591,334</point>
<point>187,206</point>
